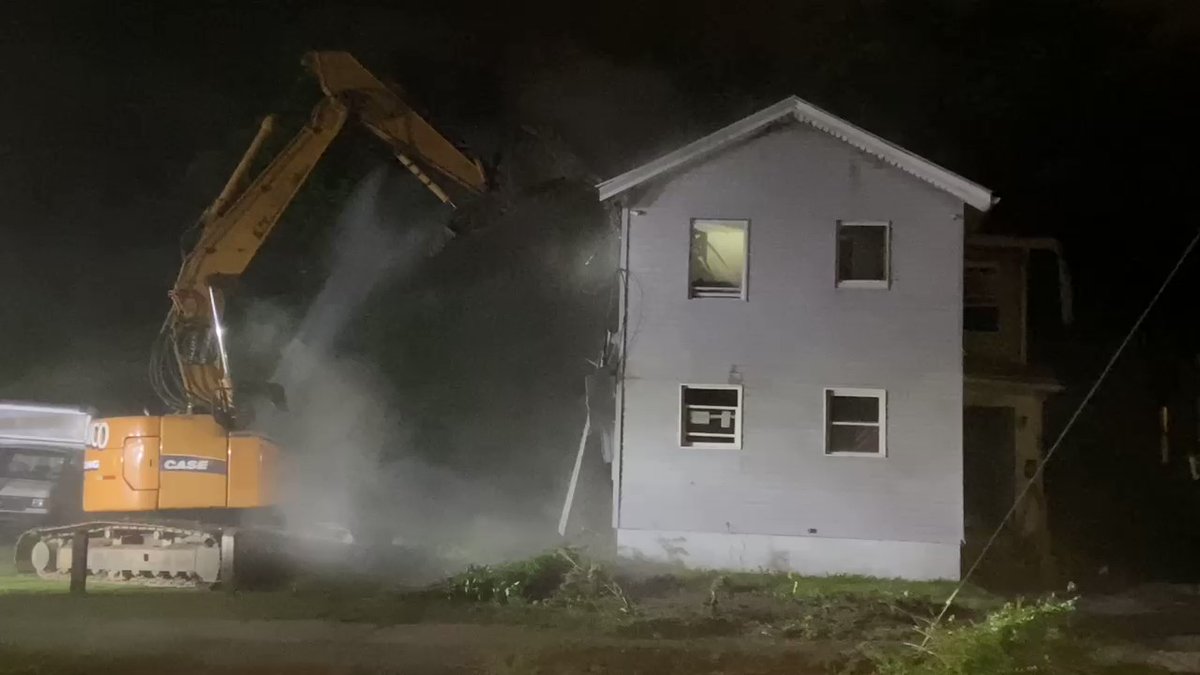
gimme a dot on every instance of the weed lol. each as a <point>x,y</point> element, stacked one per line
<point>564,576</point>
<point>1017,638</point>
<point>529,580</point>
<point>587,581</point>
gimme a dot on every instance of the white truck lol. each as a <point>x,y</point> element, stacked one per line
<point>41,456</point>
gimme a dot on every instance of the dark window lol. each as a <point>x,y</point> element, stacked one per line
<point>710,416</point>
<point>854,422</point>
<point>862,254</point>
<point>854,438</point>
<point>981,306</point>
<point>854,408</point>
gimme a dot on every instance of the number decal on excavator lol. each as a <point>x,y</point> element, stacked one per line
<point>98,435</point>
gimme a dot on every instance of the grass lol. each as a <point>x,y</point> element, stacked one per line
<point>635,618</point>
<point>667,602</point>
<point>790,585</point>
<point>556,589</point>
<point>1019,637</point>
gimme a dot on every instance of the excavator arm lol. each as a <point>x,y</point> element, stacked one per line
<point>234,227</point>
<point>413,140</point>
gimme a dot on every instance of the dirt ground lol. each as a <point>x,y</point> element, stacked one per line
<point>1156,624</point>
<point>233,646</point>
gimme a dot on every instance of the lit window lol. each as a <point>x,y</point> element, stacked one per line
<point>710,416</point>
<point>718,263</point>
<point>981,305</point>
<point>863,254</point>
<point>855,422</point>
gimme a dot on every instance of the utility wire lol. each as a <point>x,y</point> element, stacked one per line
<point>1062,434</point>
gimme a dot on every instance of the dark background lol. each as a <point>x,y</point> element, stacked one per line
<point>121,120</point>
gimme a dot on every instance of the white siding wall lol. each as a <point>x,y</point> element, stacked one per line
<point>795,335</point>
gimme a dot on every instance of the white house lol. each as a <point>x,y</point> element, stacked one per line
<point>790,385</point>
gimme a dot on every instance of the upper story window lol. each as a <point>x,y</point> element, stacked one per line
<point>863,254</point>
<point>855,422</point>
<point>710,416</point>
<point>718,261</point>
<point>981,297</point>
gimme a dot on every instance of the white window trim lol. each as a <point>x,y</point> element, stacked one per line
<point>877,284</point>
<point>880,394</point>
<point>743,295</point>
<point>737,420</point>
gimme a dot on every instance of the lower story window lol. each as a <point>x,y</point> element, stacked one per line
<point>855,422</point>
<point>710,416</point>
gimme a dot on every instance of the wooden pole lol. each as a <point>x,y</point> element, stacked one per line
<point>79,559</point>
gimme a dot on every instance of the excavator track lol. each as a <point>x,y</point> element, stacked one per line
<point>176,554</point>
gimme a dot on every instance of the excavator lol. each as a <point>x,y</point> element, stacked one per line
<point>186,498</point>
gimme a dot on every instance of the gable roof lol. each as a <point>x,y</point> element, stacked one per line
<point>972,193</point>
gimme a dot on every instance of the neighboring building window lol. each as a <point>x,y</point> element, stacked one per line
<point>718,263</point>
<point>710,416</point>
<point>32,464</point>
<point>855,422</point>
<point>863,254</point>
<point>981,298</point>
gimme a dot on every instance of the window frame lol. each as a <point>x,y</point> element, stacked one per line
<point>868,284</point>
<point>743,293</point>
<point>827,424</point>
<point>995,269</point>
<point>737,419</point>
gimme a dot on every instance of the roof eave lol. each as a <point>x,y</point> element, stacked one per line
<point>969,192</point>
<point>672,160</point>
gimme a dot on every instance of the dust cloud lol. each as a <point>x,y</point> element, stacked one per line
<point>339,417</point>
<point>435,385</point>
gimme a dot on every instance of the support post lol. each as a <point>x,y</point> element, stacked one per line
<point>570,500</point>
<point>79,562</point>
<point>227,577</point>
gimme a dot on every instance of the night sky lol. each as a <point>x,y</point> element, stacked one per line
<point>121,121</point>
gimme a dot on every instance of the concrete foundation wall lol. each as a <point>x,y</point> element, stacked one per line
<point>818,556</point>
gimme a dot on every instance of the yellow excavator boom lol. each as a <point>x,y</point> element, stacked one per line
<point>385,114</point>
<point>237,223</point>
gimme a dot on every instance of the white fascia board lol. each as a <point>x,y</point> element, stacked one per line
<point>969,192</point>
